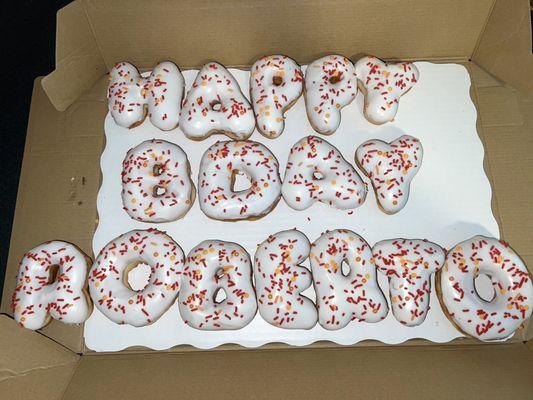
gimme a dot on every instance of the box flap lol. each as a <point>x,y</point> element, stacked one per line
<point>504,48</point>
<point>505,124</point>
<point>58,184</point>
<point>78,60</point>
<point>30,361</point>
<point>237,32</point>
<point>483,372</point>
<point>88,42</point>
<point>69,143</point>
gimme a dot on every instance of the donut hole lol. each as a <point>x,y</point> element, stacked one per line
<point>345,268</point>
<point>53,271</point>
<point>240,181</point>
<point>219,273</point>
<point>335,78</point>
<point>159,190</point>
<point>318,175</point>
<point>158,169</point>
<point>219,296</point>
<point>137,275</point>
<point>484,287</point>
<point>216,105</point>
<point>277,80</point>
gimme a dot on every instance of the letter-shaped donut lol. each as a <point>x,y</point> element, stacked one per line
<point>408,264</point>
<point>391,168</point>
<point>108,284</point>
<point>513,290</point>
<point>156,182</point>
<point>279,281</point>
<point>383,85</point>
<point>276,82</point>
<point>215,104</point>
<point>51,285</point>
<point>342,298</point>
<point>130,96</point>
<point>218,168</point>
<point>330,85</point>
<point>317,171</point>
<point>212,266</point>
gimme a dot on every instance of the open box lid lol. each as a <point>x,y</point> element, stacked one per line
<point>34,367</point>
<point>494,34</point>
<point>65,132</point>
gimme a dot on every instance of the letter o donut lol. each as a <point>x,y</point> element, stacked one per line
<point>513,300</point>
<point>108,284</point>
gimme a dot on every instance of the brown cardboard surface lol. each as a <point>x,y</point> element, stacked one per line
<point>505,124</point>
<point>58,186</point>
<point>504,48</point>
<point>32,362</point>
<point>61,175</point>
<point>303,29</point>
<point>190,33</point>
<point>76,137</point>
<point>433,372</point>
<point>78,60</point>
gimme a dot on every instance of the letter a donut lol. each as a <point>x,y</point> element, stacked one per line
<point>51,284</point>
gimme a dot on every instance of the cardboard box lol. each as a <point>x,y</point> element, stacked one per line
<point>61,174</point>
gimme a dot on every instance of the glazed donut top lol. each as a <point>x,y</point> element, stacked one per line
<point>129,94</point>
<point>164,89</point>
<point>342,298</point>
<point>391,168</point>
<point>109,287</point>
<point>124,94</point>
<point>215,103</point>
<point>275,83</point>
<point>213,265</point>
<point>317,171</point>
<point>330,84</point>
<point>279,281</point>
<point>152,166</point>
<point>384,84</point>
<point>408,264</point>
<point>39,295</point>
<point>215,181</point>
<point>513,291</point>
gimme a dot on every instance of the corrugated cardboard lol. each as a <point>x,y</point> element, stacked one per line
<point>32,364</point>
<point>504,49</point>
<point>495,372</point>
<point>65,133</point>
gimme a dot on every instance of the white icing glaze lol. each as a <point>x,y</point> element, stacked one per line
<point>38,297</point>
<point>408,264</point>
<point>384,85</point>
<point>511,281</point>
<point>220,162</point>
<point>276,82</point>
<point>356,296</point>
<point>215,104</point>
<point>211,266</point>
<point>156,183</point>
<point>330,85</point>
<point>108,277</point>
<point>279,281</point>
<point>391,168</point>
<point>317,171</point>
<point>130,95</point>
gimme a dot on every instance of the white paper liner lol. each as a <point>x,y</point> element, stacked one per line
<point>450,201</point>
